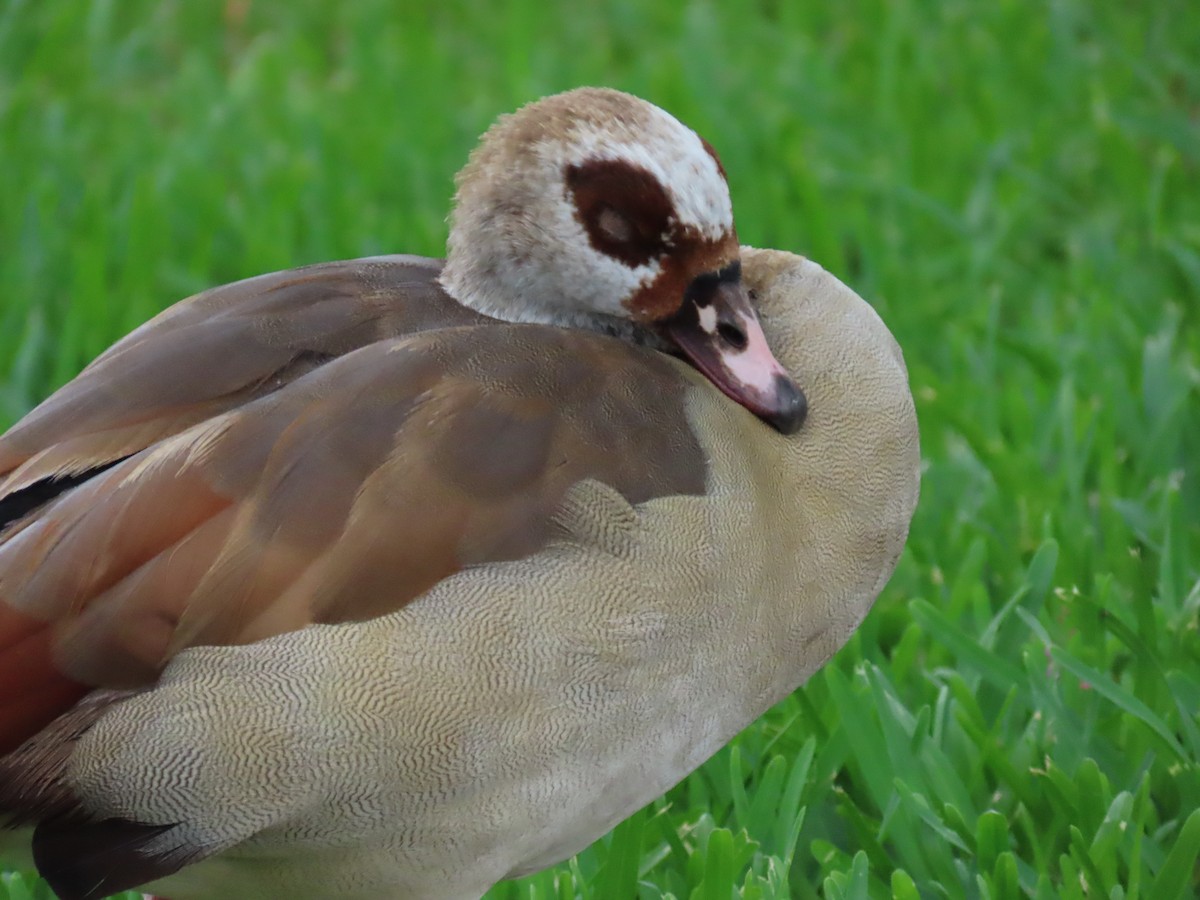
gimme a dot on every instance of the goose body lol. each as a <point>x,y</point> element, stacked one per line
<point>333,583</point>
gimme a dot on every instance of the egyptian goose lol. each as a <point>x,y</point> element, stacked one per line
<point>224,522</point>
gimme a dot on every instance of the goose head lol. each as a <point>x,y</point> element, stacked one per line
<point>596,209</point>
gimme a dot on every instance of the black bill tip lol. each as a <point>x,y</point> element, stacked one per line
<point>791,407</point>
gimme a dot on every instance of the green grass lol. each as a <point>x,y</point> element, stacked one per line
<point>1015,186</point>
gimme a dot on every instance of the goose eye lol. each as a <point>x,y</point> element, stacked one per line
<point>615,225</point>
<point>623,209</point>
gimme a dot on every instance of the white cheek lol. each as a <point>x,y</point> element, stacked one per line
<point>708,318</point>
<point>595,281</point>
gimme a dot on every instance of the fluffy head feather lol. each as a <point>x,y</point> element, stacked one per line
<point>591,208</point>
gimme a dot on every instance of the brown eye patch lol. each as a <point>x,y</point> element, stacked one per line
<point>622,207</point>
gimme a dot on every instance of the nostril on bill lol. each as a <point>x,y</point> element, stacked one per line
<point>732,335</point>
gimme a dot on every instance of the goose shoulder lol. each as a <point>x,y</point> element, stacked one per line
<point>214,352</point>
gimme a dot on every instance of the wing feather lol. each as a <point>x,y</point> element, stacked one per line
<point>343,495</point>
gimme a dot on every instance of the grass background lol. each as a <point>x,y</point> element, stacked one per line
<point>1013,185</point>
